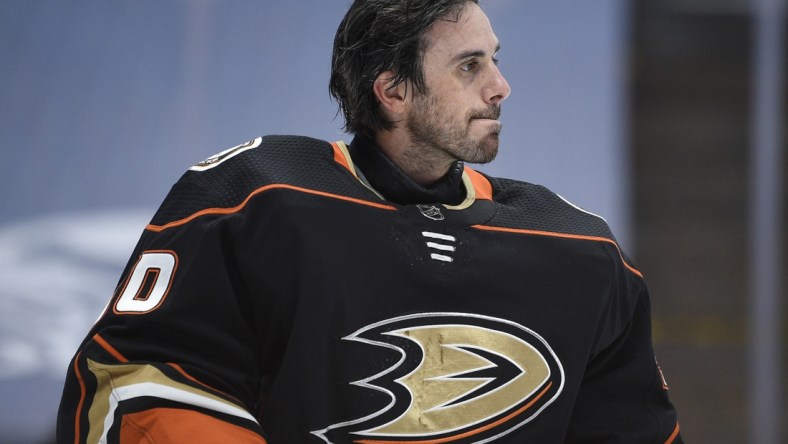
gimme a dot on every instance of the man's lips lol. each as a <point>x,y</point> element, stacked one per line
<point>486,118</point>
<point>493,113</point>
<point>493,125</point>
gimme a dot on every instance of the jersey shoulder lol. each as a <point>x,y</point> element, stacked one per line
<point>228,178</point>
<point>526,206</point>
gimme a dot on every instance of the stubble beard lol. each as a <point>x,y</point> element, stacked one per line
<point>432,130</point>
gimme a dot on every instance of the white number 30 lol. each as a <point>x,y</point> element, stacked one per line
<point>148,284</point>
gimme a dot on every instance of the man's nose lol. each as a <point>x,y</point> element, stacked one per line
<point>498,88</point>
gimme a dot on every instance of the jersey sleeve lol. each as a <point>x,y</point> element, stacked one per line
<point>174,356</point>
<point>624,396</point>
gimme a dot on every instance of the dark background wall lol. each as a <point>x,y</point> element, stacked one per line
<point>692,123</point>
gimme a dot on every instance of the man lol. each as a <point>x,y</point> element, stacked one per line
<point>292,290</point>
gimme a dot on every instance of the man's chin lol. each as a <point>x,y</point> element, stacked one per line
<point>486,150</point>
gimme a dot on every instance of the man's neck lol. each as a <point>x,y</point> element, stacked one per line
<point>423,165</point>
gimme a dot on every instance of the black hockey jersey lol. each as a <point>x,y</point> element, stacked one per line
<point>277,297</point>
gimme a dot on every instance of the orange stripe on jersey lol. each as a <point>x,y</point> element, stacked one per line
<point>235,209</point>
<point>673,435</point>
<point>110,349</point>
<point>565,236</point>
<point>178,425</point>
<point>480,183</point>
<point>340,158</point>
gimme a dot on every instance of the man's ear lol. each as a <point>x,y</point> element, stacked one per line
<point>392,98</point>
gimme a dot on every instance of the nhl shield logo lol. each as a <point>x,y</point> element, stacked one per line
<point>430,211</point>
<point>462,378</point>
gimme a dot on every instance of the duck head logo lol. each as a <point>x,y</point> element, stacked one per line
<point>461,378</point>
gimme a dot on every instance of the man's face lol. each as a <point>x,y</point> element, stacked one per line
<point>458,115</point>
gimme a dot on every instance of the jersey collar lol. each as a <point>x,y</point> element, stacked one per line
<point>391,182</point>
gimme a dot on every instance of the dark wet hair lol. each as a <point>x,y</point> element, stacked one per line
<point>377,36</point>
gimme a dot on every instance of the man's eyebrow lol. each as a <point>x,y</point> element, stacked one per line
<point>473,53</point>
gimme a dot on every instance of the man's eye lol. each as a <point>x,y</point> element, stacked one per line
<point>495,60</point>
<point>469,66</point>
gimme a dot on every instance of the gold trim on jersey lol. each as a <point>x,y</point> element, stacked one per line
<point>120,382</point>
<point>470,194</point>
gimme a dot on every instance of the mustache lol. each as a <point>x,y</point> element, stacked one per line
<point>492,112</point>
